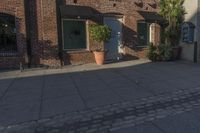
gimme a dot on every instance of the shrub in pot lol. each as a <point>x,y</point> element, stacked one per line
<point>165,52</point>
<point>100,34</point>
<point>152,52</point>
<point>173,12</point>
<point>172,37</point>
<point>161,52</point>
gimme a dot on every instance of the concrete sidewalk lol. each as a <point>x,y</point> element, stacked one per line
<point>43,94</point>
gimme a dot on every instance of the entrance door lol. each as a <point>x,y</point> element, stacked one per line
<point>143,33</point>
<point>114,43</point>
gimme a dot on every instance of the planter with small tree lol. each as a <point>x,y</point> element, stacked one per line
<point>173,11</point>
<point>100,34</point>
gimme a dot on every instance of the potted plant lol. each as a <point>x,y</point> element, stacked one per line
<point>100,34</point>
<point>173,11</point>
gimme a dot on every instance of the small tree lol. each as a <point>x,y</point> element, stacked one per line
<point>100,33</point>
<point>173,11</point>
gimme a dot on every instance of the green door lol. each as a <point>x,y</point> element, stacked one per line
<point>74,34</point>
<point>143,33</point>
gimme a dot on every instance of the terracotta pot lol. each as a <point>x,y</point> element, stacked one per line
<point>176,53</point>
<point>99,57</point>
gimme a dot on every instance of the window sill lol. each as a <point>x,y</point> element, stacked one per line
<point>142,47</point>
<point>77,51</point>
<point>8,54</point>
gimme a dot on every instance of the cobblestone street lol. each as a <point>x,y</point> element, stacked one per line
<point>136,96</point>
<point>116,116</point>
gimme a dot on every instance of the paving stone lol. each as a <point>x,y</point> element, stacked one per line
<point>184,123</point>
<point>147,128</point>
<point>4,84</point>
<point>20,97</point>
<point>100,98</point>
<point>59,92</point>
<point>19,113</point>
<point>28,82</point>
<point>131,93</point>
<point>61,105</point>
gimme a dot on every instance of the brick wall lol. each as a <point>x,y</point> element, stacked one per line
<point>44,37</point>
<point>46,33</point>
<point>45,29</point>
<point>129,10</point>
<point>15,8</point>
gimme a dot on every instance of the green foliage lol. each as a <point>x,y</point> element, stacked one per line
<point>173,11</point>
<point>100,33</point>
<point>152,52</point>
<point>162,52</point>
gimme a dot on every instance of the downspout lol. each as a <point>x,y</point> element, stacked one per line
<point>59,32</point>
<point>196,42</point>
<point>195,52</point>
<point>27,22</point>
<point>198,30</point>
<point>42,28</point>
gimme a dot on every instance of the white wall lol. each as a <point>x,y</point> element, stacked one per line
<point>191,7</point>
<point>198,30</point>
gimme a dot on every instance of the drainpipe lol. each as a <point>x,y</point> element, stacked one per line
<point>195,52</point>
<point>42,27</point>
<point>27,22</point>
<point>59,31</point>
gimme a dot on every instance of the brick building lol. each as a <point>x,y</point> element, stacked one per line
<point>55,32</point>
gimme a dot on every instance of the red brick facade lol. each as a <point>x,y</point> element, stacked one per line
<point>44,29</point>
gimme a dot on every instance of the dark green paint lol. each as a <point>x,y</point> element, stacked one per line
<point>74,34</point>
<point>143,33</point>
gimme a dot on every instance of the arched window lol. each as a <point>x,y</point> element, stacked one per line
<point>8,42</point>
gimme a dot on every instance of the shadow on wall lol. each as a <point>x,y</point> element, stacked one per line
<point>40,51</point>
<point>130,42</point>
<point>34,45</point>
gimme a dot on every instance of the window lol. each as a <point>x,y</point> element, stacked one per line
<point>143,29</point>
<point>8,41</point>
<point>74,34</point>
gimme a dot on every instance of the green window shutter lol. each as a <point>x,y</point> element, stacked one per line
<point>143,33</point>
<point>74,34</point>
